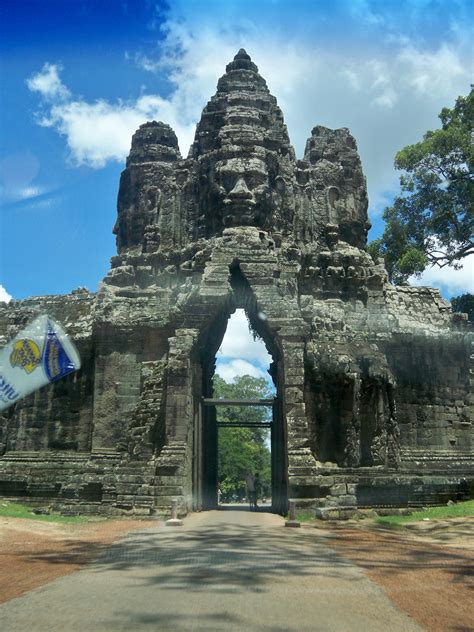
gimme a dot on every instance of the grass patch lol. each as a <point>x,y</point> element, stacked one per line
<point>15,510</point>
<point>458,510</point>
<point>305,516</point>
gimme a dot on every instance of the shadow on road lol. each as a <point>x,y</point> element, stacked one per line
<point>242,556</point>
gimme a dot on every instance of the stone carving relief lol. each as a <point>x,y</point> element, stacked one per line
<point>241,171</point>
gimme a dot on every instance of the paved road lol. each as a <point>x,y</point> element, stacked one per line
<point>224,570</point>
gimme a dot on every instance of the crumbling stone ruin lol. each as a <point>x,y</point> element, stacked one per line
<point>373,381</point>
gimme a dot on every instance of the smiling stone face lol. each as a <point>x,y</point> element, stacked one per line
<point>242,190</point>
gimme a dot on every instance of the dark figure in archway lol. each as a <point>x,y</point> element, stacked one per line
<point>257,490</point>
<point>250,488</point>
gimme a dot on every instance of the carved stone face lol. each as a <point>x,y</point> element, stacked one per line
<point>242,189</point>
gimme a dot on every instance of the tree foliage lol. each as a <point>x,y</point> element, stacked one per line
<point>432,221</point>
<point>241,450</point>
<point>464,304</point>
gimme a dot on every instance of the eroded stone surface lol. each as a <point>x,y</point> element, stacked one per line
<point>373,381</point>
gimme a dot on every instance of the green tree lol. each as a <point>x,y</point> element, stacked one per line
<point>464,304</point>
<point>432,221</point>
<point>241,450</point>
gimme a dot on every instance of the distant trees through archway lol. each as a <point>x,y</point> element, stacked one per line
<point>244,432</point>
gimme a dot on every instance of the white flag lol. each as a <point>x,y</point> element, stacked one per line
<point>40,354</point>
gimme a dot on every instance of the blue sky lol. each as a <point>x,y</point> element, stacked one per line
<point>79,76</point>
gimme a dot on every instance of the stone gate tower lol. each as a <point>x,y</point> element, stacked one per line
<point>373,381</point>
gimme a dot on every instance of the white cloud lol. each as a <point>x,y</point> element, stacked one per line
<point>146,63</point>
<point>228,371</point>
<point>48,83</point>
<point>387,99</point>
<point>239,354</point>
<point>31,192</point>
<point>4,296</point>
<point>430,72</point>
<point>100,132</point>
<point>239,343</point>
<point>449,281</point>
<point>352,77</point>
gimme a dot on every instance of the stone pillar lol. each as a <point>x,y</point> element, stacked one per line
<point>301,462</point>
<point>174,465</point>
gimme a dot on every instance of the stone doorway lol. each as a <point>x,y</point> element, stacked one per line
<point>206,427</point>
<point>238,419</point>
<point>209,448</point>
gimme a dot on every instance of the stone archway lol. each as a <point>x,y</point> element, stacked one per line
<point>245,272</point>
<point>205,426</point>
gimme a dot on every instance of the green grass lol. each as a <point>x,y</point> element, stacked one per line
<point>458,510</point>
<point>15,510</point>
<point>305,516</point>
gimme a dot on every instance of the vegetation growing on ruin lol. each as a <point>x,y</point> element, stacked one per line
<point>464,304</point>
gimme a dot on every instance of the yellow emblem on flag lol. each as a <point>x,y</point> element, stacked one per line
<point>26,355</point>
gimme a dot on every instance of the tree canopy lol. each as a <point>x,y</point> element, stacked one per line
<point>241,450</point>
<point>464,304</point>
<point>432,221</point>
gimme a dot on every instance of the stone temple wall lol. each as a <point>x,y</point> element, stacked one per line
<point>58,417</point>
<point>374,382</point>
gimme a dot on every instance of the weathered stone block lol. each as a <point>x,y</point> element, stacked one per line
<point>339,489</point>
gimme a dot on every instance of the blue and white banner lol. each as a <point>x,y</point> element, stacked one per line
<point>40,354</point>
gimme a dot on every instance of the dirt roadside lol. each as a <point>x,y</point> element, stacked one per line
<point>33,553</point>
<point>426,570</point>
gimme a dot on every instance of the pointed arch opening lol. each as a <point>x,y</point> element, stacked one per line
<point>262,364</point>
<point>244,464</point>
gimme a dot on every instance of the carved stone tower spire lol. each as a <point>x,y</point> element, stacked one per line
<point>241,171</point>
<point>242,115</point>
